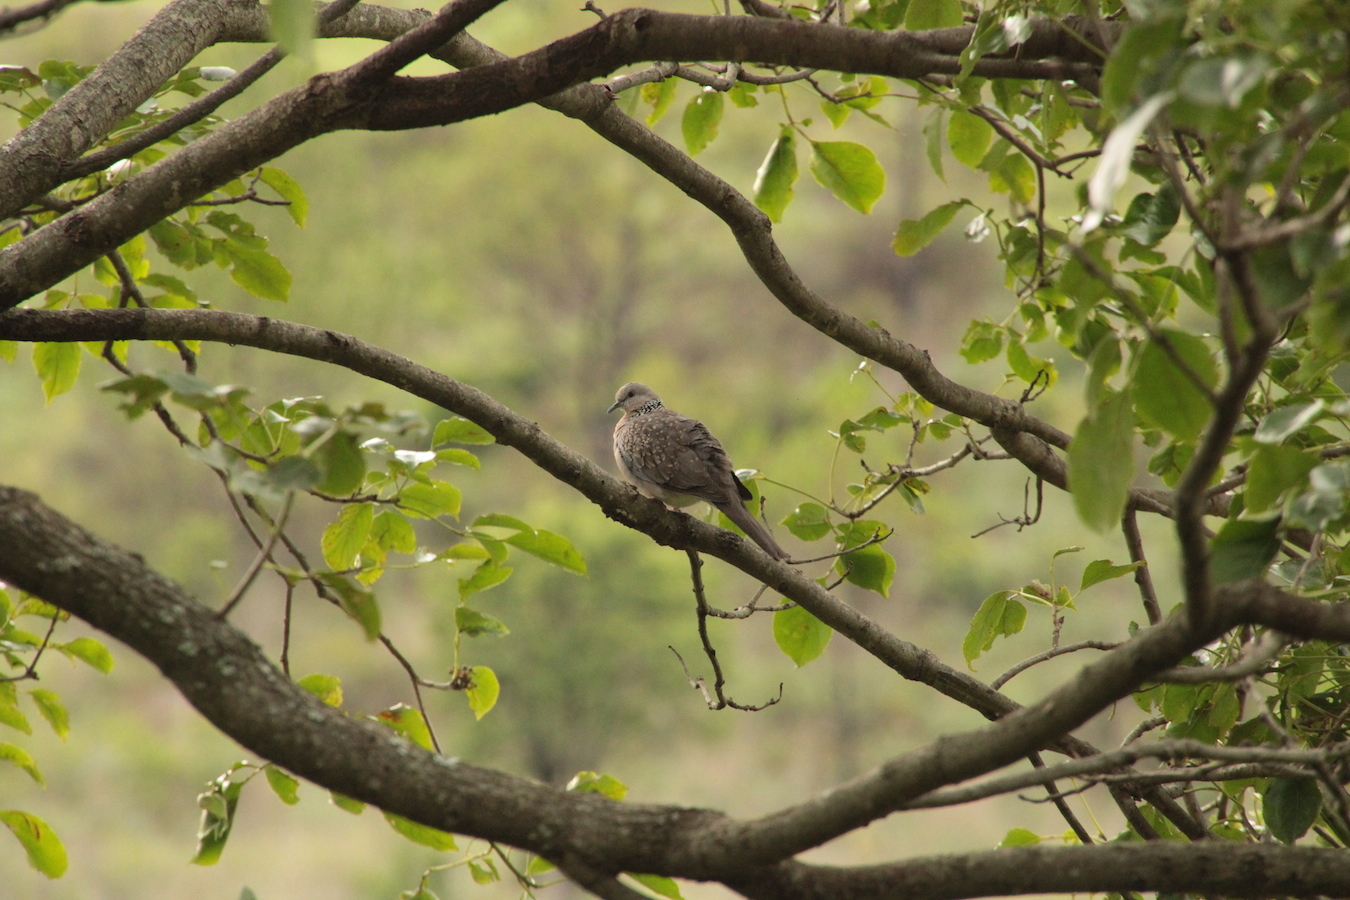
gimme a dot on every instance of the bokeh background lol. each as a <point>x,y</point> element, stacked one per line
<point>526,256</point>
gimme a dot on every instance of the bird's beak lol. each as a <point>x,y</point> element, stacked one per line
<point>613,406</point>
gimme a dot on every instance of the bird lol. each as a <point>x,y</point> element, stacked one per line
<point>675,459</point>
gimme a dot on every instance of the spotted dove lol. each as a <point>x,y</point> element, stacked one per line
<point>676,460</point>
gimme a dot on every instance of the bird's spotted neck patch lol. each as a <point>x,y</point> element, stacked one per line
<point>650,406</point>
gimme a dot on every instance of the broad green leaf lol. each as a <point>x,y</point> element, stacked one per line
<point>1101,461</point>
<point>1113,167</point>
<point>1020,837</point>
<point>915,234</point>
<point>346,535</point>
<point>1151,217</point>
<point>346,804</point>
<point>293,473</point>
<point>428,501</point>
<point>457,456</point>
<point>456,430</point>
<point>483,694</point>
<point>260,273</point>
<point>658,884</point>
<point>1285,421</point>
<point>421,834</point>
<point>1027,367</point>
<point>58,365</point>
<point>1324,501</point>
<point>1164,395</point>
<point>850,171</point>
<point>408,722</point>
<point>10,714</point>
<point>933,132</point>
<point>489,574</point>
<point>983,341</point>
<point>44,849</point>
<point>475,624</point>
<point>288,189</point>
<point>1291,806</point>
<point>538,866</point>
<point>660,94</point>
<point>392,531</point>
<point>969,137</point>
<point>1222,80</point>
<point>1243,548</point>
<point>218,806</point>
<point>1001,614</point>
<point>21,758</point>
<point>1014,176</point>
<point>550,547</point>
<point>91,651</point>
<point>800,635</point>
<point>923,15</point>
<point>53,710</point>
<point>1100,570</point>
<point>292,24</point>
<point>282,784</point>
<point>342,463</point>
<point>701,117</point>
<point>869,567</point>
<point>357,602</point>
<point>501,520</point>
<point>776,176</point>
<point>327,688</point>
<point>9,349</point>
<point>809,521</point>
<point>605,785</point>
<point>1274,470</point>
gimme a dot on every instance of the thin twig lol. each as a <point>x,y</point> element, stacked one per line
<point>261,558</point>
<point>1000,681</point>
<point>1142,576</point>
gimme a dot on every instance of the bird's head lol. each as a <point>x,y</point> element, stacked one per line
<point>633,396</point>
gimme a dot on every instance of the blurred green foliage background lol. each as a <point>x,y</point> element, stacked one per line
<point>524,256</point>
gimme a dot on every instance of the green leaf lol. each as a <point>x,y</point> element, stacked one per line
<point>1151,217</point>
<point>282,784</point>
<point>983,341</point>
<point>1285,421</point>
<point>658,884</point>
<point>327,688</point>
<point>292,24</point>
<point>346,535</point>
<point>218,805</point>
<point>1101,461</point>
<point>392,531</point>
<point>1100,570</point>
<point>457,456</point>
<point>800,635</point>
<point>550,547</point>
<point>660,94</point>
<point>1272,471</point>
<point>1020,837</point>
<point>53,710</point>
<point>475,624</point>
<point>44,849</point>
<point>1324,501</point>
<point>969,137</point>
<point>923,15</point>
<point>288,189</point>
<point>1113,167</point>
<point>605,785</point>
<point>1222,80</point>
<point>869,567</point>
<point>456,430</point>
<point>1291,806</point>
<point>407,722</point>
<point>342,463</point>
<point>489,574</point>
<point>260,273</point>
<point>346,804</point>
<point>9,350</point>
<point>850,171</point>
<point>809,521</point>
<point>1164,395</point>
<point>1001,614</point>
<point>701,117</point>
<point>915,234</point>
<point>421,834</point>
<point>1027,367</point>
<point>427,501</point>
<point>91,651</point>
<point>776,176</point>
<point>357,602</point>
<point>483,694</point>
<point>20,757</point>
<point>58,365</point>
<point>9,713</point>
<point>1243,548</point>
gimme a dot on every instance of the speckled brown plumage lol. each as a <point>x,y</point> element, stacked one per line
<point>675,459</point>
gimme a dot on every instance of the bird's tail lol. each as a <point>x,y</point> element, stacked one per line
<point>753,528</point>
